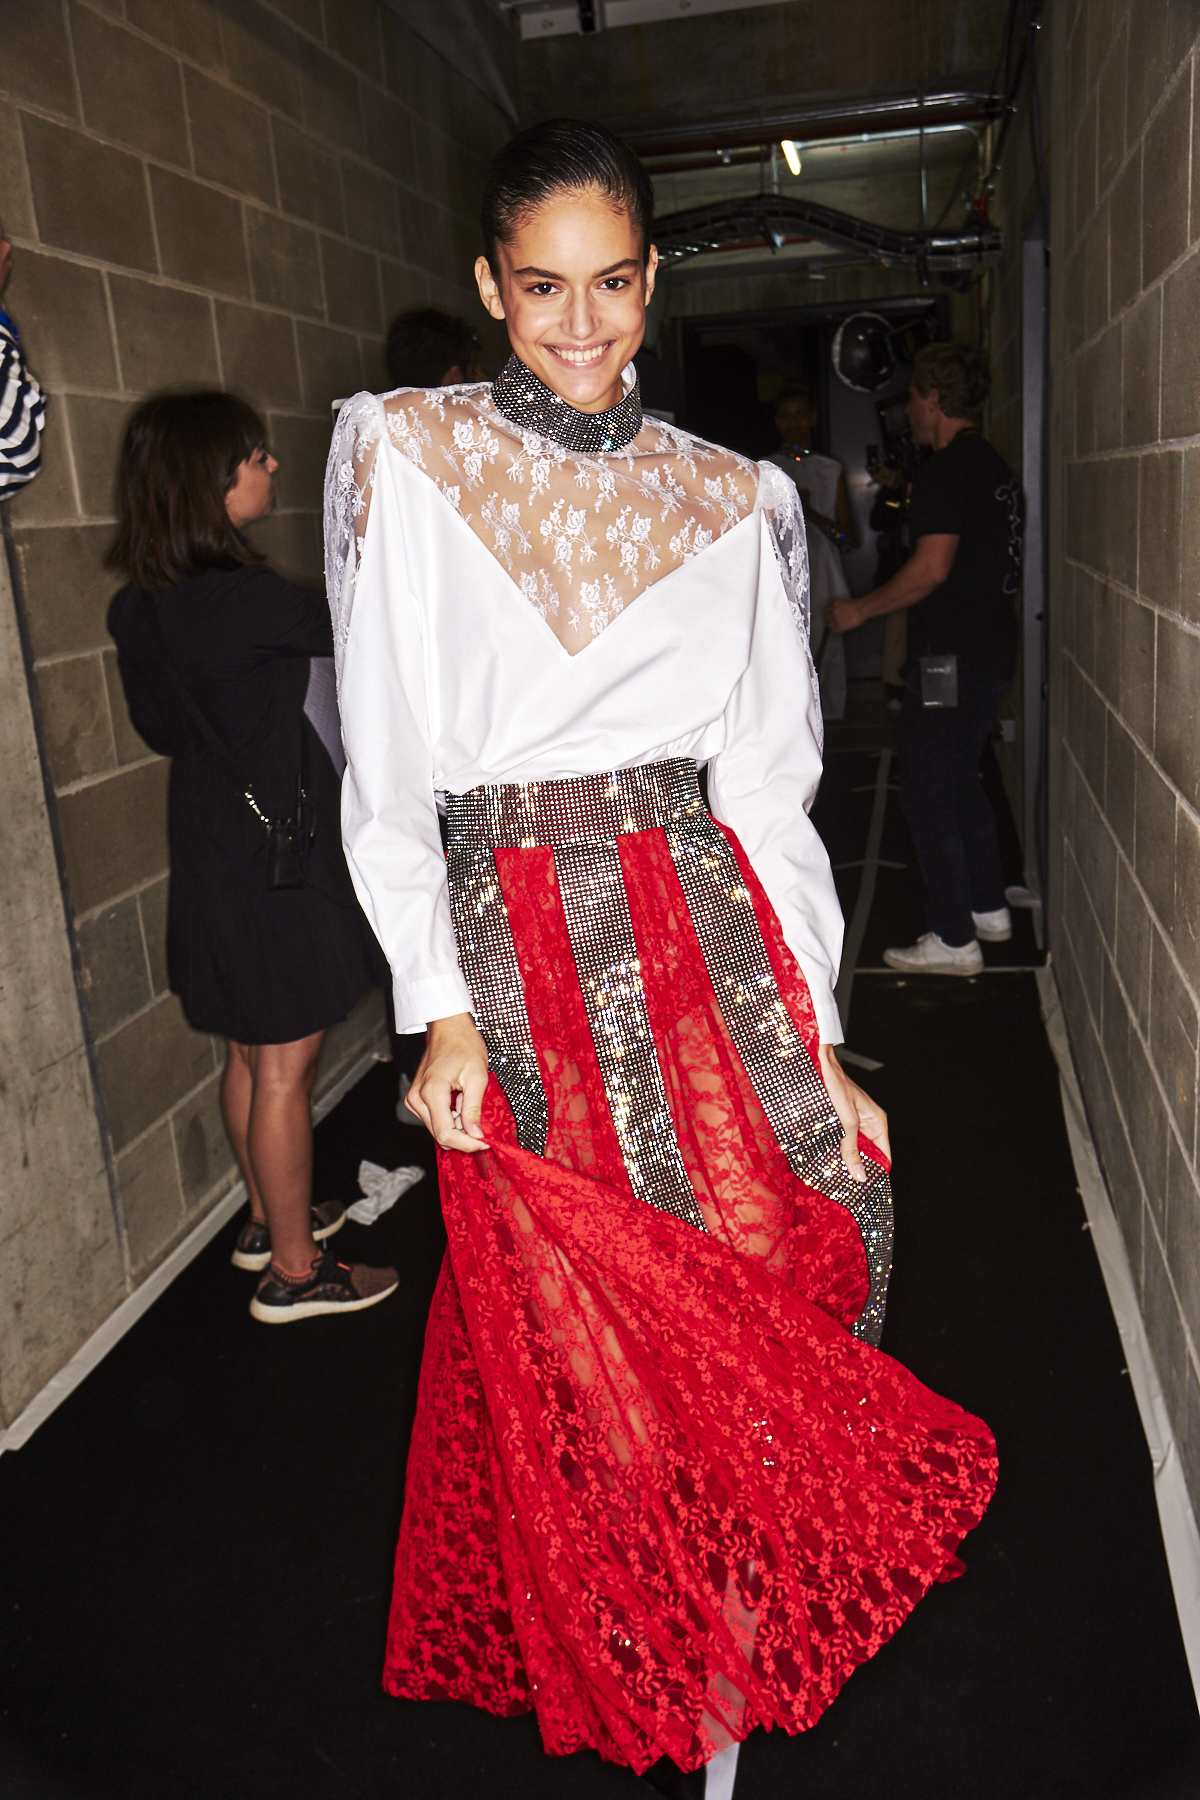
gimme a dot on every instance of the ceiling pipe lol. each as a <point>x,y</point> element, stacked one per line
<point>772,218</point>
<point>808,123</point>
<point>750,155</point>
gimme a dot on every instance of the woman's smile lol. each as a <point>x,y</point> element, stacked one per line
<point>580,357</point>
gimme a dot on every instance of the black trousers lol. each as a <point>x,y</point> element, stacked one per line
<point>950,817</point>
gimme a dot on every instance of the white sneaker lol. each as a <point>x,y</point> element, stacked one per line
<point>929,956</point>
<point>994,927</point>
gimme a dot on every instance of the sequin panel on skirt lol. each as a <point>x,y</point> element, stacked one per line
<point>581,820</point>
<point>489,960</point>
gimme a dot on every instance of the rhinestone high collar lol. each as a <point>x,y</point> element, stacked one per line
<point>525,400</point>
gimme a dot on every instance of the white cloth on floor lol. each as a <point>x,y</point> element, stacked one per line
<point>381,1189</point>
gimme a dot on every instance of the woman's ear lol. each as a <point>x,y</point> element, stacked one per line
<point>489,291</point>
<point>651,270</point>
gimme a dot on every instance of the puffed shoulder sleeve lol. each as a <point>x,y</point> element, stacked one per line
<point>389,811</point>
<point>763,783</point>
<point>349,480</point>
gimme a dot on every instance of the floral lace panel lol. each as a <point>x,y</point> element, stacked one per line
<point>581,536</point>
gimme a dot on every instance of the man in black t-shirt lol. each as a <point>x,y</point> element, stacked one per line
<point>966,519</point>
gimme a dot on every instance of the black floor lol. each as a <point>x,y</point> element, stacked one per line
<point>197,1545</point>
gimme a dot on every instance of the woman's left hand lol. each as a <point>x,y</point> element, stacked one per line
<point>857,1112</point>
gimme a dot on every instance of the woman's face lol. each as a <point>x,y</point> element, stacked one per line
<point>253,492</point>
<point>572,288</point>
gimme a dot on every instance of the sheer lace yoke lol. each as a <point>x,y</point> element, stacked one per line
<point>580,535</point>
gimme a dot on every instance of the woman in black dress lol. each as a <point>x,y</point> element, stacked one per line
<point>220,662</point>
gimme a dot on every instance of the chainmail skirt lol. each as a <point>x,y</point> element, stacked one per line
<point>661,1487</point>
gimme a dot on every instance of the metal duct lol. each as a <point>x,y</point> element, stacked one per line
<point>808,124</point>
<point>772,218</point>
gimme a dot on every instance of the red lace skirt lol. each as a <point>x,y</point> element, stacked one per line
<point>657,1489</point>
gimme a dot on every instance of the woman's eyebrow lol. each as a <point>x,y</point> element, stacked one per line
<point>628,262</point>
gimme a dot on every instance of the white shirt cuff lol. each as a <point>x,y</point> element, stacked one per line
<point>829,1022</point>
<point>418,1002</point>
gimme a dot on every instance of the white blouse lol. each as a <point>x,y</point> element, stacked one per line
<point>508,611</point>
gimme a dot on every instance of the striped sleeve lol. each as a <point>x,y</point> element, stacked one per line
<point>22,415</point>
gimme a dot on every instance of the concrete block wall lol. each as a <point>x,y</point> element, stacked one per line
<point>1125,633</point>
<point>1016,207</point>
<point>60,1242</point>
<point>198,192</point>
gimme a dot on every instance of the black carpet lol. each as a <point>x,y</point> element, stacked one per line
<point>197,1545</point>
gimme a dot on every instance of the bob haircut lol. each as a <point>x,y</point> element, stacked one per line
<point>562,156</point>
<point>960,376</point>
<point>179,459</point>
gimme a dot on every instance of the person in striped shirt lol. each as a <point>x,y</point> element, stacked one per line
<point>22,403</point>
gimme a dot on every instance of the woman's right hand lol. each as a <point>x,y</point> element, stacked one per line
<point>447,1089</point>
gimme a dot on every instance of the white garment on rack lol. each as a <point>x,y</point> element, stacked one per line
<point>509,611</point>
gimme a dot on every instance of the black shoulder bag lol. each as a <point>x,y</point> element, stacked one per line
<point>289,841</point>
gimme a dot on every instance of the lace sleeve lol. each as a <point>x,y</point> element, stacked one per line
<point>349,479</point>
<point>778,498</point>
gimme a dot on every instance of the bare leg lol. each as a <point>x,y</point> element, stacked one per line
<point>279,1144</point>
<point>237,1089</point>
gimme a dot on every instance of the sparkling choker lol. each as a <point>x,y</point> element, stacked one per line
<point>526,401</point>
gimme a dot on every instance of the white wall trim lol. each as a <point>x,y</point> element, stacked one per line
<point>1177,1519</point>
<point>143,1297</point>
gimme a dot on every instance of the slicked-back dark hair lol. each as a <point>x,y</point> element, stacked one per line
<point>424,343</point>
<point>562,156</point>
<point>960,375</point>
<point>179,459</point>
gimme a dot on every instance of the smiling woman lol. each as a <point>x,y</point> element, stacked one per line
<point>661,1486</point>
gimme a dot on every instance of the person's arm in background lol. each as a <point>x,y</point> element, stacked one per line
<point>22,403</point>
<point>144,712</point>
<point>282,619</point>
<point>926,569</point>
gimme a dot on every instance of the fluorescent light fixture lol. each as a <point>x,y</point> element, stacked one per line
<point>791,155</point>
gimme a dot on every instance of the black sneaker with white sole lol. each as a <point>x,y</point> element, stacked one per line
<point>253,1247</point>
<point>329,1287</point>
